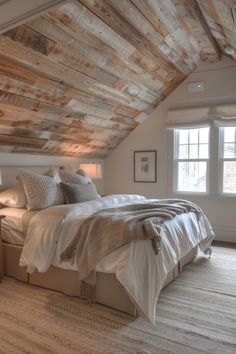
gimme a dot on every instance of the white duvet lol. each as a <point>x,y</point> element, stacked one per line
<point>138,269</point>
<point>12,226</point>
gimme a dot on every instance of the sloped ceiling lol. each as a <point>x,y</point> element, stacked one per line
<point>78,80</point>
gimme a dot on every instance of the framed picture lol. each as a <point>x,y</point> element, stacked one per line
<point>145,166</point>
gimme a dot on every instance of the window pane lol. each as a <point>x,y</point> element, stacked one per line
<point>203,135</point>
<point>183,151</point>
<point>192,176</point>
<point>193,151</point>
<point>183,136</point>
<point>229,134</point>
<point>203,151</point>
<point>229,183</point>
<point>229,150</point>
<point>193,136</point>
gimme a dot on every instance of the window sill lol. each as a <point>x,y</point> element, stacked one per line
<point>218,196</point>
<point>205,194</point>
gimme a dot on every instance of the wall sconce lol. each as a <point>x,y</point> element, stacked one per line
<point>93,170</point>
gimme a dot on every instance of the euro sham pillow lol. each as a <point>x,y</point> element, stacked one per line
<point>41,191</point>
<point>76,178</point>
<point>55,173</point>
<point>78,193</point>
<point>13,197</point>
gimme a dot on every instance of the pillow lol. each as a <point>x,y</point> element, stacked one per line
<point>53,172</point>
<point>77,193</point>
<point>70,177</point>
<point>41,191</point>
<point>81,172</point>
<point>13,197</point>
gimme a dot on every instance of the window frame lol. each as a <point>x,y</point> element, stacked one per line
<point>176,160</point>
<point>222,159</point>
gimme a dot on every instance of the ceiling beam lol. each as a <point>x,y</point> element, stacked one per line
<point>194,8</point>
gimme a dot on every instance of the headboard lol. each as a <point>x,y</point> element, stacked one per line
<point>10,174</point>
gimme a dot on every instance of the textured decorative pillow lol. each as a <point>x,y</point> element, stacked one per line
<point>13,197</point>
<point>77,193</point>
<point>41,191</point>
<point>54,172</point>
<point>70,177</point>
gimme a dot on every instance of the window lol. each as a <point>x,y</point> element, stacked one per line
<point>191,160</point>
<point>228,159</point>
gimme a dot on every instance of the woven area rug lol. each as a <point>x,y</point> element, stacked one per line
<point>195,314</point>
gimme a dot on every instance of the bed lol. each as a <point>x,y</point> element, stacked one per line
<point>129,279</point>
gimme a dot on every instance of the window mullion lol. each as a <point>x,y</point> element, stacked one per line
<point>188,143</point>
<point>229,159</point>
<point>192,160</point>
<point>235,142</point>
<point>198,144</point>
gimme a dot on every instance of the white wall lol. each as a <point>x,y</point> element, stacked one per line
<point>220,87</point>
<point>69,163</point>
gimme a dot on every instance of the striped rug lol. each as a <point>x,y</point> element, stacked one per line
<point>195,314</point>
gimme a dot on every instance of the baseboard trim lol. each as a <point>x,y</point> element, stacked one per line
<point>224,233</point>
<point>224,244</point>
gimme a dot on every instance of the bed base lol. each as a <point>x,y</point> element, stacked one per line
<point>109,291</point>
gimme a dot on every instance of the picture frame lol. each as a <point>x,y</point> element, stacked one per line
<point>145,166</point>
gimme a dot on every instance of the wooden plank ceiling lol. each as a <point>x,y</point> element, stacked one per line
<point>78,80</point>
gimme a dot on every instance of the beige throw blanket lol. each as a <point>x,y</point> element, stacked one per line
<point>109,229</point>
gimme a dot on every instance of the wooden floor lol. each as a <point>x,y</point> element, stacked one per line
<point>195,314</point>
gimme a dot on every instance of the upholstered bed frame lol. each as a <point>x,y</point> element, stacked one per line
<point>109,291</point>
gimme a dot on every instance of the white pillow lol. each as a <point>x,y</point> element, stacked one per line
<point>13,197</point>
<point>41,191</point>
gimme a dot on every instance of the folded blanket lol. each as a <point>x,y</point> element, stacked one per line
<point>111,228</point>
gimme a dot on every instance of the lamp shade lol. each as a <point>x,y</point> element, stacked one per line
<point>93,170</point>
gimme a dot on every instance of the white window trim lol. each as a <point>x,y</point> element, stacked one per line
<point>221,165</point>
<point>176,160</point>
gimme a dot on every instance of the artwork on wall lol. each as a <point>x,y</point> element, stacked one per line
<point>145,166</point>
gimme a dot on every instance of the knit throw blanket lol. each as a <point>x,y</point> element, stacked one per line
<point>106,230</point>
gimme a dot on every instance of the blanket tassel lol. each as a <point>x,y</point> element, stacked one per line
<point>208,252</point>
<point>155,245</point>
<point>68,254</point>
<point>87,292</point>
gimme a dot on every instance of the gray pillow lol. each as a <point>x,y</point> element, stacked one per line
<point>77,193</point>
<point>70,177</point>
<point>84,174</point>
<point>41,191</point>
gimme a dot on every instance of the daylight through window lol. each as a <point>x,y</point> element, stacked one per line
<point>228,153</point>
<point>191,159</point>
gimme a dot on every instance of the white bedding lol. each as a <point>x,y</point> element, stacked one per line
<point>12,226</point>
<point>142,273</point>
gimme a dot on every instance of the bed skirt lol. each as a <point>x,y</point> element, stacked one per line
<point>109,291</point>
